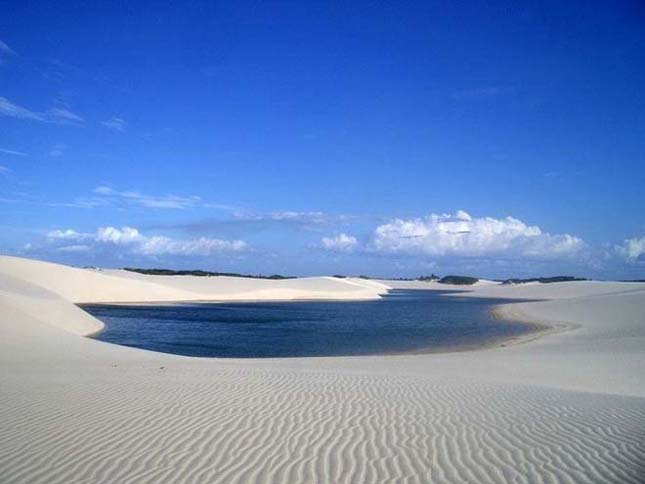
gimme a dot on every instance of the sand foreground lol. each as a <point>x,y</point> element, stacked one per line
<point>565,407</point>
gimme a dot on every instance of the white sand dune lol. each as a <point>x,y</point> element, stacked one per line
<point>566,407</point>
<point>100,286</point>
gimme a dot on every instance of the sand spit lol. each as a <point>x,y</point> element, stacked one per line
<point>567,407</point>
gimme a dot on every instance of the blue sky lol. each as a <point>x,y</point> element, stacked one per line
<point>490,138</point>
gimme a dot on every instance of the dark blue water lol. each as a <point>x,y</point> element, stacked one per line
<point>403,321</point>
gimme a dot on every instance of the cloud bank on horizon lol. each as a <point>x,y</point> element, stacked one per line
<point>435,241</point>
<point>128,240</point>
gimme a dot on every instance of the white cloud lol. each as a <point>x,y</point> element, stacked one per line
<point>129,239</point>
<point>123,236</point>
<point>5,52</point>
<point>67,234</point>
<point>632,249</point>
<point>341,242</point>
<point>56,115</point>
<point>463,235</point>
<point>74,248</point>
<point>62,115</point>
<point>4,170</point>
<point>477,93</point>
<point>104,196</point>
<point>311,220</point>
<point>12,152</point>
<point>115,123</point>
<point>102,190</point>
<point>286,216</point>
<point>151,201</point>
<point>7,108</point>
<point>312,217</point>
<point>201,246</point>
<point>57,150</point>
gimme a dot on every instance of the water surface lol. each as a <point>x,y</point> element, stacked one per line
<point>403,321</point>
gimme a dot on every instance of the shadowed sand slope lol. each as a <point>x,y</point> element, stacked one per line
<point>565,408</point>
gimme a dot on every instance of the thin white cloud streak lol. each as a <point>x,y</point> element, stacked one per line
<point>56,115</point>
<point>310,219</point>
<point>4,170</point>
<point>465,236</point>
<point>115,123</point>
<point>67,234</point>
<point>74,248</point>
<point>340,243</point>
<point>5,52</point>
<point>62,115</point>
<point>480,92</point>
<point>150,201</point>
<point>130,240</point>
<point>243,223</point>
<point>13,152</point>
<point>107,197</point>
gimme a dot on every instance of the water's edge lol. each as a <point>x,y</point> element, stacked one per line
<point>494,313</point>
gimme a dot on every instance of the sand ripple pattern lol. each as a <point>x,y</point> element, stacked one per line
<point>248,426</point>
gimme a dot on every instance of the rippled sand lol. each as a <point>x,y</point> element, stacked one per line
<point>565,407</point>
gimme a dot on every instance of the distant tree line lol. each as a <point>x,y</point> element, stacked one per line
<point>456,280</point>
<point>451,279</point>
<point>430,278</point>
<point>545,280</point>
<point>200,273</point>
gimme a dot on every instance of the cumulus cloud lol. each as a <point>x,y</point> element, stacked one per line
<point>123,236</point>
<point>131,240</point>
<point>341,242</point>
<point>115,123</point>
<point>56,115</point>
<point>461,234</point>
<point>632,249</point>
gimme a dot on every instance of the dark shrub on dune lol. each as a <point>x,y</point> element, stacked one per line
<point>458,280</point>
<point>199,273</point>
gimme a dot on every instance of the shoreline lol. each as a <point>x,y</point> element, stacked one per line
<point>186,302</point>
<point>499,312</point>
<point>540,328</point>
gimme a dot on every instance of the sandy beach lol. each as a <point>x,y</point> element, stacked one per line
<point>565,407</point>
